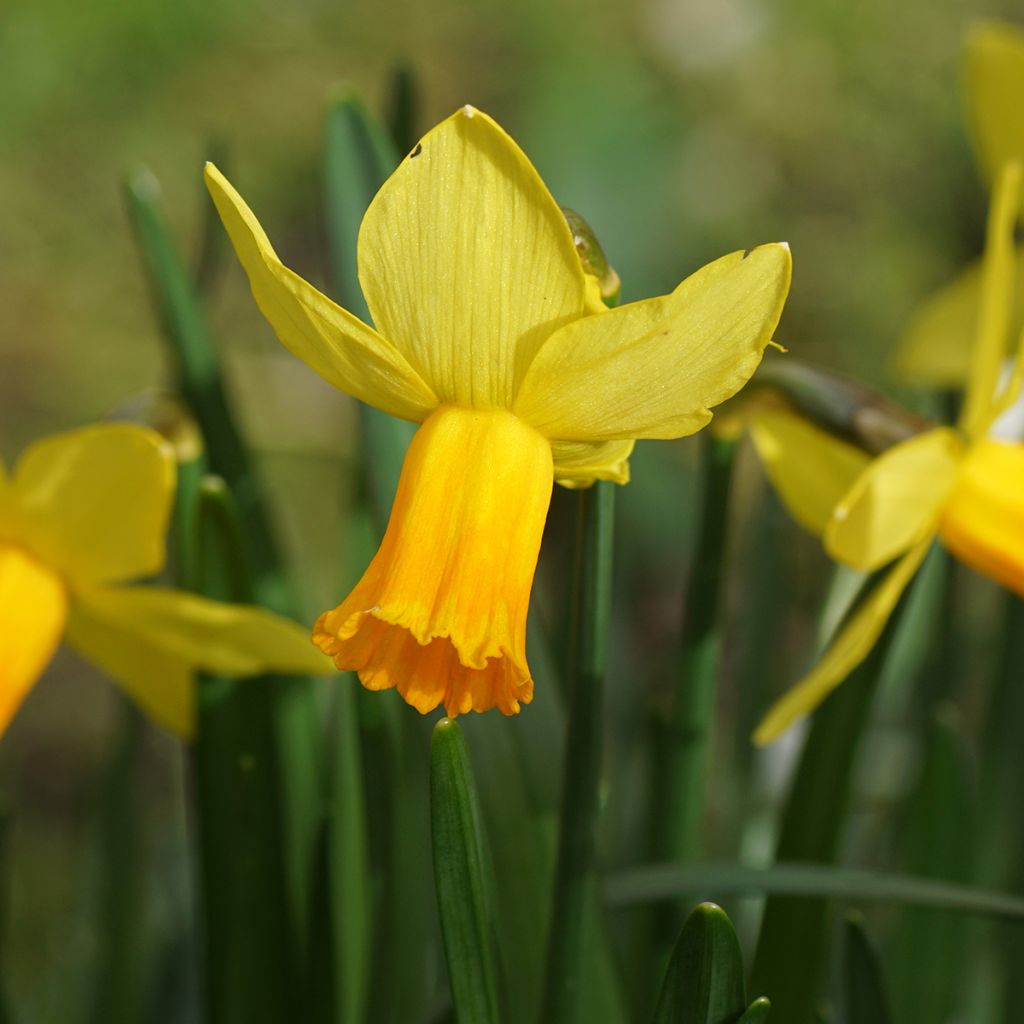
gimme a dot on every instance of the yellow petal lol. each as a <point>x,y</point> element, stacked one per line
<point>160,682</point>
<point>153,640</point>
<point>983,521</point>
<point>935,351</point>
<point>653,368</point>
<point>33,609</point>
<point>466,261</point>
<point>895,501</point>
<point>847,650</point>
<point>991,338</point>
<point>580,463</point>
<point>810,469</point>
<point>329,339</point>
<point>94,502</point>
<point>995,94</point>
<point>441,611</point>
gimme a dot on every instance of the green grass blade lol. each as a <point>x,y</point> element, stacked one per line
<point>458,875</point>
<point>358,157</point>
<point>573,904</point>
<point>403,109</point>
<point>671,881</point>
<point>864,987</point>
<point>704,980</point>
<point>792,951</point>
<point>930,949</point>
<point>251,972</point>
<point>683,772</point>
<point>212,250</point>
<point>287,703</point>
<point>121,867</point>
<point>201,384</point>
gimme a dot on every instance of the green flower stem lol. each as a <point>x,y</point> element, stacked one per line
<point>575,873</point>
<point>120,966</point>
<point>458,877</point>
<point>684,753</point>
<point>250,963</point>
<point>792,950</point>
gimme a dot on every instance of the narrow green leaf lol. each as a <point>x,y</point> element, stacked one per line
<point>685,747</point>
<point>929,948</point>
<point>704,980</point>
<point>200,382</point>
<point>670,881</point>
<point>757,1012</point>
<point>458,875</point>
<point>792,951</point>
<point>572,922</point>
<point>213,248</point>
<point>403,109</point>
<point>250,964</point>
<point>121,867</point>
<point>864,988</point>
<point>286,702</point>
<point>358,157</point>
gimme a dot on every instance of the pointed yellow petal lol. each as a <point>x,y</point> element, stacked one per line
<point>810,469</point>
<point>895,501</point>
<point>226,639</point>
<point>329,339</point>
<point>94,502</point>
<point>160,682</point>
<point>33,609</point>
<point>654,368</point>
<point>935,351</point>
<point>995,94</point>
<point>991,338</point>
<point>153,640</point>
<point>440,613</point>
<point>466,261</point>
<point>847,650</point>
<point>983,521</point>
<point>580,463</point>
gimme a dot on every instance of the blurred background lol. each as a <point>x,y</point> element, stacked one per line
<point>681,129</point>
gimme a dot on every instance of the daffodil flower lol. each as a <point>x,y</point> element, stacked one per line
<point>961,485</point>
<point>932,351</point>
<point>84,513</point>
<point>490,335</point>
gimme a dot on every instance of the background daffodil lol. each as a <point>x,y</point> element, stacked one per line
<point>488,333</point>
<point>960,485</point>
<point>84,513</point>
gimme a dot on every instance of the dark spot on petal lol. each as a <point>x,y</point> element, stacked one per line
<point>416,152</point>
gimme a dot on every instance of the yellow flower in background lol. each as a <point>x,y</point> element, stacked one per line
<point>960,485</point>
<point>492,337</point>
<point>83,513</point>
<point>932,351</point>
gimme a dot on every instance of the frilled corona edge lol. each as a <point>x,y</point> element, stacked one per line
<point>440,613</point>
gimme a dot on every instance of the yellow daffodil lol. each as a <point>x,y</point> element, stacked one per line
<point>932,351</point>
<point>494,339</point>
<point>961,485</point>
<point>83,513</point>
